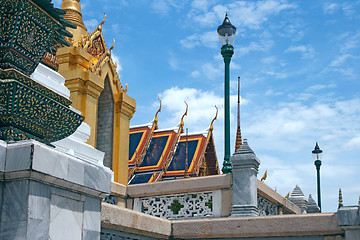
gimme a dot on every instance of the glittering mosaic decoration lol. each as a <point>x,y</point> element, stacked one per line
<point>30,111</point>
<point>11,74</point>
<point>27,30</point>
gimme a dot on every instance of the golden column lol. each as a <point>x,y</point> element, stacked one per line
<point>85,65</point>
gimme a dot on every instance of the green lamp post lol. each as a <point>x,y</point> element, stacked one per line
<point>226,32</point>
<point>317,157</point>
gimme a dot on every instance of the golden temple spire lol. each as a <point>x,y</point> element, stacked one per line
<point>73,15</point>
<point>340,199</point>
<point>238,142</point>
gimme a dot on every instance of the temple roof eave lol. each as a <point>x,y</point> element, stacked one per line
<point>149,124</point>
<point>166,129</point>
<point>203,133</point>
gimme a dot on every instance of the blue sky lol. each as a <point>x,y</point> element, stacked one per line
<point>299,66</point>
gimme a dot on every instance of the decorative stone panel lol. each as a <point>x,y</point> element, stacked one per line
<point>266,207</point>
<point>180,206</point>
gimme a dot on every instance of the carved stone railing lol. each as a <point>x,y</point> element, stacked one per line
<point>266,207</point>
<point>181,206</point>
<point>202,197</point>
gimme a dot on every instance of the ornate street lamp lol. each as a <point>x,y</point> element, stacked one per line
<point>317,157</point>
<point>226,32</point>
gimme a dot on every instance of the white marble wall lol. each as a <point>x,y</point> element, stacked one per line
<point>46,194</point>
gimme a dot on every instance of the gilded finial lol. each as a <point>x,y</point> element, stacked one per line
<point>185,114</point>
<point>126,88</point>
<point>112,47</point>
<point>340,199</point>
<point>287,195</point>
<point>264,177</point>
<point>99,27</point>
<point>212,122</point>
<point>103,21</point>
<point>159,110</point>
<point>238,141</point>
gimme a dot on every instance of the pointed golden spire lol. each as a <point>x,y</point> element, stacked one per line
<point>238,142</point>
<point>340,199</point>
<point>73,15</point>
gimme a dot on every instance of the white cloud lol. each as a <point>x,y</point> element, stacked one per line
<point>201,5</point>
<point>345,60</point>
<point>163,7</point>
<point>330,8</point>
<point>294,31</point>
<point>353,142</point>
<point>208,39</point>
<point>340,60</point>
<point>253,14</point>
<point>280,174</point>
<point>351,42</point>
<point>262,46</point>
<point>115,28</point>
<point>173,61</point>
<point>271,92</point>
<point>92,23</point>
<point>348,8</point>
<point>195,74</point>
<point>241,13</point>
<point>288,125</point>
<point>279,75</point>
<point>115,59</point>
<point>211,72</point>
<point>201,106</point>
<point>306,51</point>
<point>318,87</point>
<point>268,60</point>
